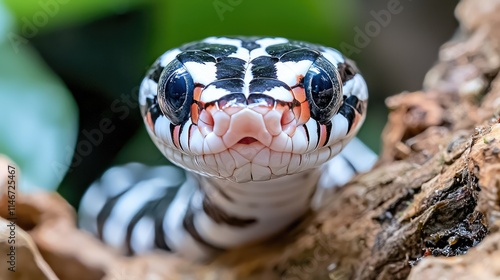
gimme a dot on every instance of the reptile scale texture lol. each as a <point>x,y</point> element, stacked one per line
<point>259,130</point>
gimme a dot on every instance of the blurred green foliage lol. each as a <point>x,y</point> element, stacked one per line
<point>39,116</point>
<point>61,13</point>
<point>320,21</point>
<point>176,22</point>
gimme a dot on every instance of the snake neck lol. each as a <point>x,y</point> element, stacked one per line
<point>239,213</point>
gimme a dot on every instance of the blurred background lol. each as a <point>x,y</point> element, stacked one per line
<point>70,70</point>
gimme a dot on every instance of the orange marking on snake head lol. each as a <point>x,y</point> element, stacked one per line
<point>195,113</point>
<point>149,121</point>
<point>305,114</point>
<point>299,93</point>
<point>197,93</point>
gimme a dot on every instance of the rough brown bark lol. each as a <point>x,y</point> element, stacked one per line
<point>435,192</point>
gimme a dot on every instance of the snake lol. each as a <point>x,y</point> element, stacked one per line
<point>259,131</point>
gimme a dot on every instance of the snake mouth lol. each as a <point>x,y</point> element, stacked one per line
<point>247,140</point>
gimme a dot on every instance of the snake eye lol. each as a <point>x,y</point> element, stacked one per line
<point>175,92</point>
<point>323,90</point>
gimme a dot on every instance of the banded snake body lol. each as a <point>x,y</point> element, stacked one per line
<point>256,122</point>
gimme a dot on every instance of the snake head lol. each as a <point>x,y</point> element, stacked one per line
<point>252,109</point>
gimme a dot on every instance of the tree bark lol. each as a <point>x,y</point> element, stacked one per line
<point>430,208</point>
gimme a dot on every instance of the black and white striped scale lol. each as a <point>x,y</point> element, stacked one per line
<point>254,124</point>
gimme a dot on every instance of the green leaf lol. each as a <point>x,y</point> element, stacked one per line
<point>39,118</point>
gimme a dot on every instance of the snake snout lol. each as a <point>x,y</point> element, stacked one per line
<point>246,125</point>
<point>254,122</point>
